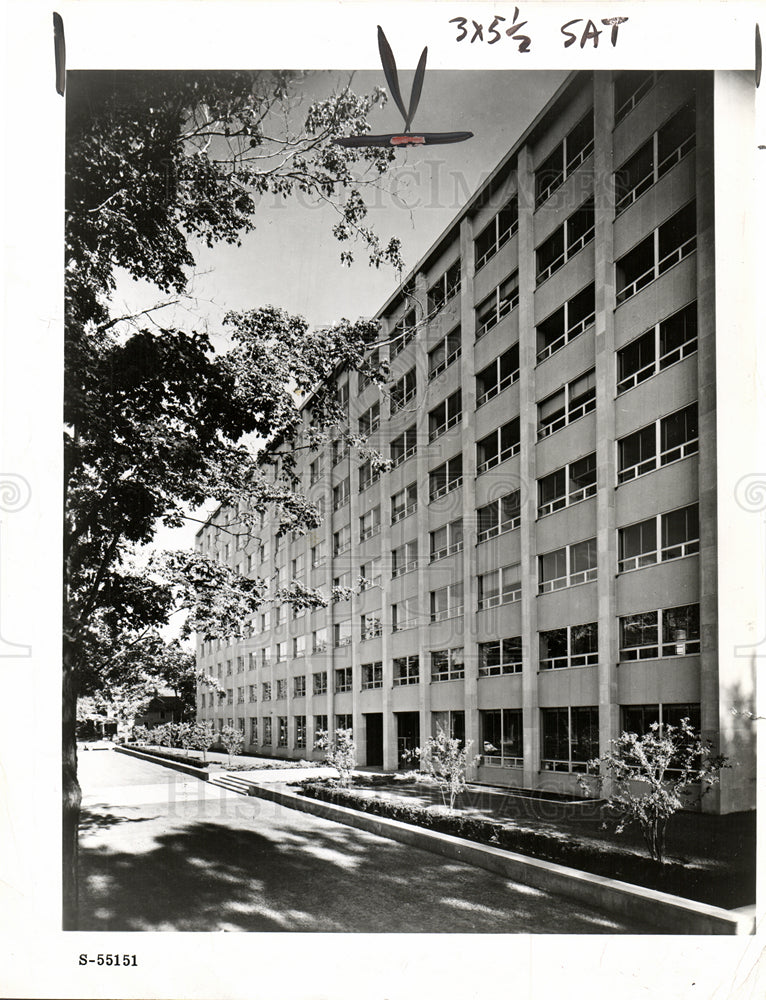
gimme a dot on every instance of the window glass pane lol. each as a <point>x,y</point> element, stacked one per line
<point>582,473</point>
<point>678,428</point>
<point>553,565</point>
<point>639,630</point>
<point>679,624</point>
<point>680,526</point>
<point>513,733</point>
<point>554,643</point>
<point>678,328</point>
<point>584,638</point>
<point>636,356</point>
<point>584,733</point>
<point>638,447</point>
<point>555,737</point>
<point>637,539</point>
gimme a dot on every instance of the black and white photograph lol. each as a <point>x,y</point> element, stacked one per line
<point>409,513</point>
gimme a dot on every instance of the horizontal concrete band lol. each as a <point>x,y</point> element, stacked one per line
<point>176,765</point>
<point>658,909</point>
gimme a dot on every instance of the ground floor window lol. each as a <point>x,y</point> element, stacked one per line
<point>344,721</point>
<point>569,738</point>
<point>502,739</point>
<point>320,725</point>
<point>253,730</point>
<point>267,732</point>
<point>282,731</point>
<point>640,718</point>
<point>451,723</point>
<point>300,732</point>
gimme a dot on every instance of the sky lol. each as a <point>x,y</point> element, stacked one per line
<point>291,260</point>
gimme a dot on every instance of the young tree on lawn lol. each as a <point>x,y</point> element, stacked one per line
<point>445,759</point>
<point>340,752</point>
<point>653,776</point>
<point>140,734</point>
<point>156,421</point>
<point>202,737</point>
<point>233,739</point>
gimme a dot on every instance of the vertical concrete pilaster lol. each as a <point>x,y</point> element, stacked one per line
<point>528,485</point>
<point>606,534</point>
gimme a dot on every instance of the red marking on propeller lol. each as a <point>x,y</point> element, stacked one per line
<point>407,140</point>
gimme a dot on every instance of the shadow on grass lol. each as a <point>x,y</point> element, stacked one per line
<point>90,821</point>
<point>305,875</point>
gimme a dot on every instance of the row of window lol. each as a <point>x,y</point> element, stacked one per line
<point>569,735</point>
<point>664,633</point>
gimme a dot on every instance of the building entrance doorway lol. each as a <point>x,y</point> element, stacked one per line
<point>407,735</point>
<point>374,735</point>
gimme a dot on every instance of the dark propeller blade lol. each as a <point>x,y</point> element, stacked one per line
<point>389,68</point>
<point>397,139</point>
<point>417,87</point>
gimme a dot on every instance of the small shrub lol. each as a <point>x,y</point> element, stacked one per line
<point>340,752</point>
<point>233,739</point>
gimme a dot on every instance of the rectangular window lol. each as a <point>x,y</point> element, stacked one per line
<point>669,244</point>
<point>629,87</point>
<point>404,559</point>
<point>252,692</point>
<point>319,640</point>
<point>320,682</point>
<point>298,567</point>
<point>444,288</point>
<point>240,696</point>
<point>500,656</point>
<point>266,691</point>
<point>667,440</point>
<point>498,375</point>
<point>447,664</point>
<point>344,721</point>
<point>447,540</point>
<point>667,146</point>
<point>281,652</point>
<point>320,724</point>
<point>315,471</point>
<point>369,524</point>
<point>341,634</point>
<point>281,689</point>
<point>569,738</point>
<point>446,478</point>
<point>341,540</point>
<point>372,626</point>
<point>566,241</point>
<point>369,573</point>
<point>368,474</point>
<point>344,679</point>
<point>570,646</point>
<point>341,493</point>
<point>299,686</point>
<point>502,737</point>
<point>501,444</point>
<point>666,343</point>
<point>403,390</point>
<point>445,353</point>
<point>566,323</point>
<point>498,304</point>
<point>668,632</point>
<point>566,405</point>
<point>444,416</point>
<point>497,233</point>
<point>299,646</point>
<point>267,732</point>
<point>567,567</point>
<point>406,670</point>
<point>499,516</point>
<point>404,614</point>
<point>403,333</point>
<point>404,446</point>
<point>318,555</point>
<point>404,502</point>
<point>677,529</point>
<point>369,421</point>
<point>447,602</point>
<point>253,730</point>
<point>499,586</point>
<point>282,731</point>
<point>339,450</point>
<point>372,675</point>
<point>300,732</point>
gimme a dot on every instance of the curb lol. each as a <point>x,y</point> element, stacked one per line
<point>659,910</point>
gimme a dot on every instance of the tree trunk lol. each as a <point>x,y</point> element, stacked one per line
<point>71,794</point>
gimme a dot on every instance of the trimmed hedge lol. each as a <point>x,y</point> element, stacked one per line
<point>169,755</point>
<point>717,886</point>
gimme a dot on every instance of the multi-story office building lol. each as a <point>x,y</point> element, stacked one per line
<point>541,562</point>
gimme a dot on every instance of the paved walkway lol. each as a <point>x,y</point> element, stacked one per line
<point>192,857</point>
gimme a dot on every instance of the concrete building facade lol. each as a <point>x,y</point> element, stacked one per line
<point>541,562</point>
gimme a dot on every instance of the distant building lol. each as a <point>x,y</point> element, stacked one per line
<point>544,560</point>
<point>159,710</point>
